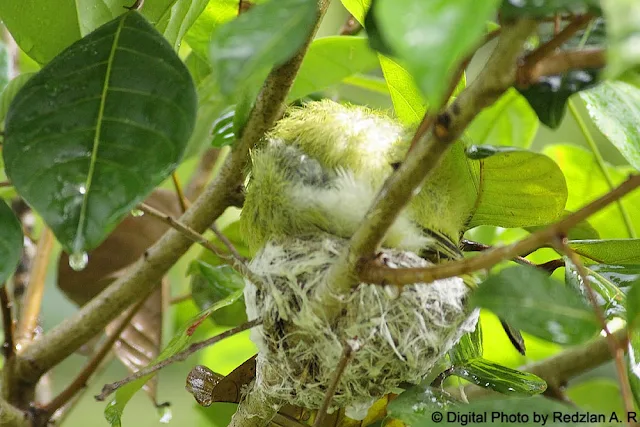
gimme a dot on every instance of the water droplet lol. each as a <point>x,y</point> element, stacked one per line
<point>82,189</point>
<point>136,212</point>
<point>78,261</point>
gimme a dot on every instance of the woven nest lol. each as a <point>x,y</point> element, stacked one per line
<point>400,334</point>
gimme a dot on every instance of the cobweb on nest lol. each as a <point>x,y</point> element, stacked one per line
<point>401,334</point>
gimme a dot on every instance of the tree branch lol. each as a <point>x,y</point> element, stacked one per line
<point>370,272</point>
<point>559,63</point>
<point>497,76</point>
<point>68,336</point>
<point>8,347</point>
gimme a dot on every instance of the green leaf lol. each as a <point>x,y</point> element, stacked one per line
<point>537,9</point>
<point>537,304</point>
<point>103,124</point>
<point>614,107</point>
<point>5,66</point>
<point>582,231</point>
<point>510,121</point>
<point>215,14</point>
<point>180,341</point>
<point>211,284</point>
<point>469,347</point>
<point>621,276</point>
<point>607,399</point>
<point>432,37</point>
<point>586,182</point>
<point>517,189</point>
<point>176,18</point>
<point>10,242</point>
<point>10,91</point>
<point>223,130</point>
<point>485,373</point>
<point>633,363</point>
<point>413,404</point>
<point>198,67</point>
<point>265,36</point>
<point>367,82</point>
<point>611,298</point>
<point>357,8</point>
<point>548,97</point>
<point>623,19</point>
<point>408,103</point>
<point>612,251</point>
<point>330,60</point>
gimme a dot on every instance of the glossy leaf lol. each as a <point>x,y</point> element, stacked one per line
<point>614,107</point>
<point>623,18</point>
<point>412,405</point>
<point>621,276</point>
<point>329,60</point>
<point>485,373</point>
<point>545,307</point>
<point>223,130</point>
<point>5,66</point>
<point>469,347</point>
<point>610,251</point>
<point>586,182</point>
<point>432,37</point>
<point>176,18</point>
<point>408,103</point>
<point>10,242</point>
<point>548,97</point>
<point>215,14</point>
<point>509,121</point>
<point>210,284</point>
<point>265,36</point>
<point>113,411</point>
<point>517,189</point>
<point>610,298</point>
<point>538,9</point>
<point>103,124</point>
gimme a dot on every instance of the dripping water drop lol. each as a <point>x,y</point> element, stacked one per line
<point>78,261</point>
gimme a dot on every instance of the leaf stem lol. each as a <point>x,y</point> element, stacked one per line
<point>184,203</point>
<point>8,347</point>
<point>178,357</point>
<point>601,165</point>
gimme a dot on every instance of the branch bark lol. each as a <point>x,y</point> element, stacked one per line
<point>68,336</point>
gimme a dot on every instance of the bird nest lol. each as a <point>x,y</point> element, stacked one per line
<point>400,333</point>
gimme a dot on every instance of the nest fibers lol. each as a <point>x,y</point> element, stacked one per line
<point>400,335</point>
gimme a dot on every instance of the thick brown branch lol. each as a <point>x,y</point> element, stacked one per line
<point>68,336</point>
<point>372,273</point>
<point>558,40</point>
<point>562,62</point>
<point>497,76</point>
<point>178,357</point>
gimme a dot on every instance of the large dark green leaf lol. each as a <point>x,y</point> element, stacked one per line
<point>10,91</point>
<point>432,37</point>
<point>539,9</point>
<point>516,188</point>
<point>265,36</point>
<point>10,242</point>
<point>184,336</point>
<point>611,251</point>
<point>510,121</point>
<point>532,301</point>
<point>611,299</point>
<point>614,107</point>
<point>623,17</point>
<point>412,405</point>
<point>485,373</point>
<point>98,128</point>
<point>211,284</point>
<point>586,182</point>
<point>329,60</point>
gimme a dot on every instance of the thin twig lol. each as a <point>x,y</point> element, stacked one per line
<point>561,62</point>
<point>180,298</point>
<point>35,290</point>
<point>225,241</point>
<point>237,263</point>
<point>5,184</point>
<point>615,348</point>
<point>350,27</point>
<point>371,272</point>
<point>8,347</point>
<point>184,203</point>
<point>45,413</point>
<point>350,347</point>
<point>601,165</point>
<point>471,246</point>
<point>178,357</point>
